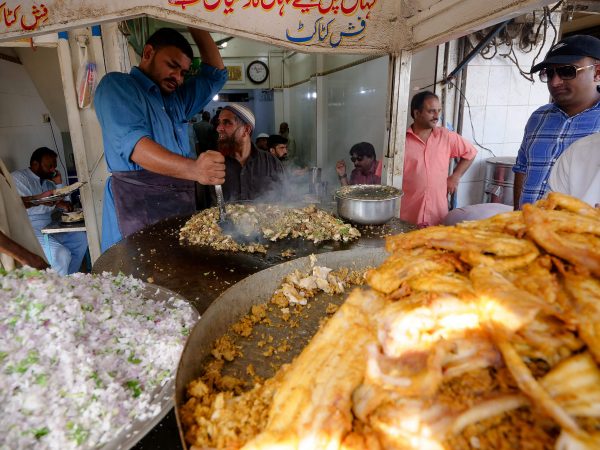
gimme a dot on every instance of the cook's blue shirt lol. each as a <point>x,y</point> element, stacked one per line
<point>130,107</point>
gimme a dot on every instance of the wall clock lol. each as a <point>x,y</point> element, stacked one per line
<point>257,72</point>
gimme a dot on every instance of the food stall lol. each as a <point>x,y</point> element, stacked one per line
<point>374,27</point>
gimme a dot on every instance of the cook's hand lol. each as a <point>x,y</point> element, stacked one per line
<point>57,179</point>
<point>340,168</point>
<point>452,184</point>
<point>210,168</point>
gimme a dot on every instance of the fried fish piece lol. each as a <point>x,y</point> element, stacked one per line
<point>558,200</point>
<point>402,266</point>
<point>312,407</point>
<point>586,295</point>
<point>543,227</point>
<point>462,240</point>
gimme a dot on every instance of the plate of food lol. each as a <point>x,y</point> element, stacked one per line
<point>72,216</point>
<point>87,361</point>
<point>58,194</point>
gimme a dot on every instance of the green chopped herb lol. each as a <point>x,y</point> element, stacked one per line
<point>134,385</point>
<point>40,432</point>
<point>24,364</point>
<point>41,379</point>
<point>97,379</point>
<point>78,434</point>
<point>132,359</point>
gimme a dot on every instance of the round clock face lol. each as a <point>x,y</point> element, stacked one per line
<point>258,72</point>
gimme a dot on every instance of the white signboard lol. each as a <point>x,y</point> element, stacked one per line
<point>342,26</point>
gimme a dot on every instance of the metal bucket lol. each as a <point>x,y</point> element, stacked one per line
<point>498,186</point>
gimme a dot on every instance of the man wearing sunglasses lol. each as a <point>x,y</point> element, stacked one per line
<point>367,170</point>
<point>572,71</point>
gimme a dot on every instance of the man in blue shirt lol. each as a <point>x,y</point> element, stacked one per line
<point>64,251</point>
<point>144,118</point>
<point>572,70</point>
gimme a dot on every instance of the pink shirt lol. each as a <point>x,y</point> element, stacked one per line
<point>373,177</point>
<point>426,165</point>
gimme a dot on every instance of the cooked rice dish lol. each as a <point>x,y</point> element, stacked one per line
<point>82,357</point>
<point>479,336</point>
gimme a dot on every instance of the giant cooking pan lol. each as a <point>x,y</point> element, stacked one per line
<point>236,302</point>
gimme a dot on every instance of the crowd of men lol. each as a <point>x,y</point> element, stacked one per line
<point>155,173</point>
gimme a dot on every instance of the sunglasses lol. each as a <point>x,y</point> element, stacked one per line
<point>568,72</point>
<point>356,158</point>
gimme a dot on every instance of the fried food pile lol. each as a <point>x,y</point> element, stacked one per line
<point>484,335</point>
<point>273,222</point>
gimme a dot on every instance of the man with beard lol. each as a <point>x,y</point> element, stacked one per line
<point>572,70</point>
<point>277,146</point>
<point>293,156</point>
<point>144,117</point>
<point>250,173</point>
<point>262,141</point>
<point>428,149</point>
<point>64,251</point>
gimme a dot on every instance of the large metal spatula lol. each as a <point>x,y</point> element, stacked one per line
<point>242,235</point>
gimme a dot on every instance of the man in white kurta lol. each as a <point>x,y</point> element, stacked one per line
<point>18,244</point>
<point>577,171</point>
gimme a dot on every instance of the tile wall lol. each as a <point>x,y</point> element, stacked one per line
<point>501,101</point>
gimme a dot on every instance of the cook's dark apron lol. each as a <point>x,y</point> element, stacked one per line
<point>143,198</point>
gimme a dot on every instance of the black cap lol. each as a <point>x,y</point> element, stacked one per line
<point>275,140</point>
<point>569,50</point>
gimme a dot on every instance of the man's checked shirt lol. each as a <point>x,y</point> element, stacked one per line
<point>548,133</point>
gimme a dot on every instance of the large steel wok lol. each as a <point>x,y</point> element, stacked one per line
<point>200,275</point>
<point>237,301</point>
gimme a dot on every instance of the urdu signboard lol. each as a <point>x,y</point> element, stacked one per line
<point>326,26</point>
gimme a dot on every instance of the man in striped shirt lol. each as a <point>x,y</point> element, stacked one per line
<point>572,70</point>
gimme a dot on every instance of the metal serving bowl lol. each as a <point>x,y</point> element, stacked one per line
<point>368,204</point>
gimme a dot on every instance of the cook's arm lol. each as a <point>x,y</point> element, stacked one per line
<point>21,254</point>
<point>518,188</point>
<point>209,52</point>
<point>209,168</point>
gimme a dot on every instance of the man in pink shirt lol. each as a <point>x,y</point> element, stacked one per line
<point>367,170</point>
<point>428,150</point>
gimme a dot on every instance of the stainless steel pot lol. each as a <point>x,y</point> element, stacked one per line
<point>368,204</point>
<point>499,180</point>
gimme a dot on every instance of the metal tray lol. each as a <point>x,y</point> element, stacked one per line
<point>236,302</point>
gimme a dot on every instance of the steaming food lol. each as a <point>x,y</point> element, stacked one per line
<point>482,335</point>
<point>273,222</point>
<point>82,357</point>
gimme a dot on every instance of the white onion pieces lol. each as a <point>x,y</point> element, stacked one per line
<point>80,357</point>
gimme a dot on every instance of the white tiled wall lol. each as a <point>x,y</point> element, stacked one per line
<point>355,110</point>
<point>501,101</point>
<point>302,119</point>
<point>21,110</point>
